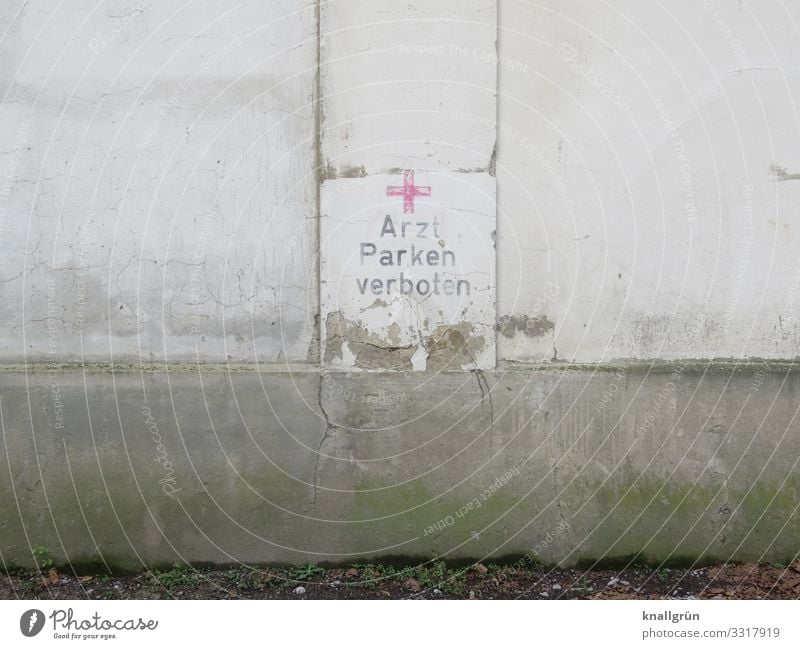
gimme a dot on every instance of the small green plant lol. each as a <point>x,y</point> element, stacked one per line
<point>371,575</point>
<point>43,557</point>
<point>663,575</point>
<point>178,577</point>
<point>433,576</point>
<point>402,573</point>
<point>242,578</point>
<point>306,572</point>
<point>456,581</point>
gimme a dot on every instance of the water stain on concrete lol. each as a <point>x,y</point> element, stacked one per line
<point>781,174</point>
<point>536,327</point>
<point>345,171</point>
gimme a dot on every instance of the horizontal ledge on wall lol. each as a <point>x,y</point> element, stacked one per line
<point>637,366</point>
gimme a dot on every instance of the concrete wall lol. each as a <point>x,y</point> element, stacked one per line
<point>209,464</point>
<point>186,369</point>
<point>642,156</point>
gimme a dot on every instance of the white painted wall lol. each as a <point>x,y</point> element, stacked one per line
<point>158,186</point>
<point>630,249</point>
<point>158,189</point>
<point>392,75</point>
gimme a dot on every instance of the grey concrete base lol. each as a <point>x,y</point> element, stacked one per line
<point>215,464</point>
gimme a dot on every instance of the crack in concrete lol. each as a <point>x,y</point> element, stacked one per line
<point>325,436</point>
<point>486,394</point>
<point>315,350</point>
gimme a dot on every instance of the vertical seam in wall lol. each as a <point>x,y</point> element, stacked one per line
<point>493,172</point>
<point>317,91</point>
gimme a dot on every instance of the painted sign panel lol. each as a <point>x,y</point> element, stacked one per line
<point>408,271</point>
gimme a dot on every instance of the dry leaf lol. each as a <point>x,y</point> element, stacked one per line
<point>479,567</point>
<point>411,584</point>
<point>260,579</point>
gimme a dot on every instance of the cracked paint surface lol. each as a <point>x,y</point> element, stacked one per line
<point>156,201</point>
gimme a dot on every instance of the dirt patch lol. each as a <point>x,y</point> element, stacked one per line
<point>428,581</point>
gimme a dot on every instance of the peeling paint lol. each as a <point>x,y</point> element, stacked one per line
<point>351,344</point>
<point>419,361</point>
<point>453,347</point>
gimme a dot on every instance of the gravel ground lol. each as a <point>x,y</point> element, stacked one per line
<point>429,581</point>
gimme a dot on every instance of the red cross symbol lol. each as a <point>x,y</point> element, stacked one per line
<point>409,191</point>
